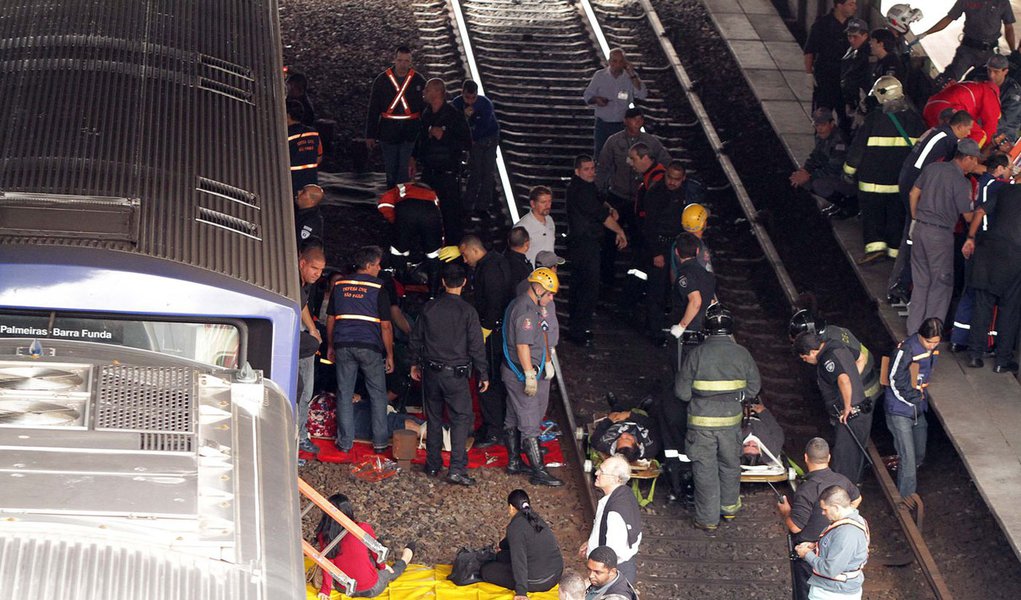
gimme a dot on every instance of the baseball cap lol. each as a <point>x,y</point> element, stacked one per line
<point>821,116</point>
<point>997,61</point>
<point>856,25</point>
<point>969,147</point>
<point>633,112</point>
<point>548,259</point>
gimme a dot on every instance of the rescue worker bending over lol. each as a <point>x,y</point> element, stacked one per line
<point>716,377</point>
<point>527,371</point>
<point>414,210</point>
<point>806,320</point>
<point>839,556</point>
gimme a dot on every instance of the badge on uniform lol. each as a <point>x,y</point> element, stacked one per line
<point>682,281</point>
<point>830,366</point>
<point>622,95</point>
<point>527,325</point>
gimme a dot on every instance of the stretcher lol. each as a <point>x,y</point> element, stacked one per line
<point>772,471</point>
<point>641,470</point>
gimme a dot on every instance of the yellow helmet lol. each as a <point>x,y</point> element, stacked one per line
<point>546,278</point>
<point>694,217</point>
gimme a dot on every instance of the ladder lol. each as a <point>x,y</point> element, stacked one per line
<point>350,527</point>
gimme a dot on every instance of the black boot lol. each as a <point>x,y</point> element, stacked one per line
<point>514,464</point>
<point>672,468</point>
<point>540,476</point>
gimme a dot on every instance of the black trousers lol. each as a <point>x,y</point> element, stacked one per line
<point>1006,323</point>
<point>658,292</point>
<point>419,227</point>
<point>848,459</point>
<point>493,402</point>
<point>608,257</point>
<point>444,388</point>
<point>882,220</point>
<point>585,279</point>
<point>448,187</point>
<point>500,572</point>
<point>802,571</point>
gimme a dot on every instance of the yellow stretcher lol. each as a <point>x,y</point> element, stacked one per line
<point>420,582</point>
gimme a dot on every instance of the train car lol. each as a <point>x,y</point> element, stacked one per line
<point>148,303</point>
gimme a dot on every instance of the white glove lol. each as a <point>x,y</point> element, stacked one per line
<point>550,371</point>
<point>911,229</point>
<point>677,331</point>
<point>531,385</point>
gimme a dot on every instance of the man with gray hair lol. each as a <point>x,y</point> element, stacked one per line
<point>618,522</point>
<point>803,516</point>
<point>572,586</point>
<point>610,92</point>
<point>839,556</point>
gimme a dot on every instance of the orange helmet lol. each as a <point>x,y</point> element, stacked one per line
<point>546,278</point>
<point>694,218</point>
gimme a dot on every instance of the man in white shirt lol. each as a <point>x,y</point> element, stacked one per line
<point>611,92</point>
<point>618,522</point>
<point>542,232</point>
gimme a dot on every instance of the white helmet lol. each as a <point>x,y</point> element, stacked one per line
<point>901,16</point>
<point>887,89</point>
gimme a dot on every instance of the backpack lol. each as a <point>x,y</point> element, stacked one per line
<point>467,567</point>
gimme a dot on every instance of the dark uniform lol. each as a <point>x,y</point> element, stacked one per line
<point>491,294</point>
<point>358,306</point>
<point>835,360</point>
<point>828,43</point>
<point>585,216</point>
<point>870,376</point>
<point>807,515</point>
<point>518,265</point>
<point>663,208</point>
<point>309,223</point>
<point>414,210</point>
<point>446,342</point>
<point>855,78</point>
<point>983,20</point>
<point>440,163</point>
<point>395,105</point>
<point>306,151</point>
<point>825,164</point>
<point>692,277</point>
<point>875,158</point>
<point>716,377</point>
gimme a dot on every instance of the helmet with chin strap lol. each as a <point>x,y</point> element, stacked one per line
<point>804,320</point>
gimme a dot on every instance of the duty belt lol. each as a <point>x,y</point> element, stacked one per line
<point>978,44</point>
<point>458,370</point>
<point>857,410</point>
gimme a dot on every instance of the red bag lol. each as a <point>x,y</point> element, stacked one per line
<point>322,419</point>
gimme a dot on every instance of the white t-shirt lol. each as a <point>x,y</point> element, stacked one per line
<point>616,533</point>
<point>543,236</point>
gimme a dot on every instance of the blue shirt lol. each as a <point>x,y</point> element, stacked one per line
<point>482,120</point>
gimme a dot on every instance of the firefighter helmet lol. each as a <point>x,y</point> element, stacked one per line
<point>887,89</point>
<point>546,278</point>
<point>901,16</point>
<point>718,320</point>
<point>694,217</point>
<point>804,320</point>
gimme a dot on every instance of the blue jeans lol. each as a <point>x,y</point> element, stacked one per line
<point>909,437</point>
<point>604,129</point>
<point>306,383</point>
<point>373,368</point>
<point>395,161</point>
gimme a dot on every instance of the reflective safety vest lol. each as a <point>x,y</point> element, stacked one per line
<point>404,191</point>
<point>306,148</point>
<point>356,311</point>
<point>721,397</point>
<point>399,100</point>
<point>842,577</point>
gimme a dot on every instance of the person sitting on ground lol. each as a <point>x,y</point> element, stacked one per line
<point>821,173</point>
<point>529,559</point>
<point>395,421</point>
<point>769,435</point>
<point>572,586</point>
<point>629,433</point>
<point>606,582</point>
<point>352,557</point>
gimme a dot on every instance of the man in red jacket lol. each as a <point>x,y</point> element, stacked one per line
<point>980,98</point>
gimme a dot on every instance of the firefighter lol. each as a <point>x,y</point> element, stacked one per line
<point>806,320</point>
<point>395,106</point>
<point>527,371</point>
<point>716,378</point>
<point>879,149</point>
<point>844,396</point>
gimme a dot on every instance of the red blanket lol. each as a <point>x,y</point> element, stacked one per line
<point>494,456</point>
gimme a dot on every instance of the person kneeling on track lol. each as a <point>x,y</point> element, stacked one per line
<point>618,522</point>
<point>529,559</point>
<point>352,557</point>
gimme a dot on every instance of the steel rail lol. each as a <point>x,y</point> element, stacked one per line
<point>915,539</point>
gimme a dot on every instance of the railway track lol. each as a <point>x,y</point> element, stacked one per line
<point>534,58</point>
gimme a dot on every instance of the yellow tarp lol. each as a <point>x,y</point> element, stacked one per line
<point>420,582</point>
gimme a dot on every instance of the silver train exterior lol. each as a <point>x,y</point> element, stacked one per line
<point>147,257</point>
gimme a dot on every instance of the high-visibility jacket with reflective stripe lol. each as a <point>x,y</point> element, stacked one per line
<point>355,307</point>
<point>305,147</point>
<point>906,396</point>
<point>388,202</point>
<point>715,376</point>
<point>879,150</point>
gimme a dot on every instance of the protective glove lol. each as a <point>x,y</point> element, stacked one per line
<point>677,331</point>
<point>550,371</point>
<point>449,253</point>
<point>486,333</point>
<point>531,385</point>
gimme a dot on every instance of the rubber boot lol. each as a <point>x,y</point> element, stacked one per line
<point>673,474</point>
<point>514,464</point>
<point>540,476</point>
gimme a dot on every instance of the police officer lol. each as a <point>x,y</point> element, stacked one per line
<point>443,140</point>
<point>716,377</point>
<point>360,339</point>
<point>844,397</point>
<point>308,219</point>
<point>527,371</point>
<point>806,320</point>
<point>491,292</point>
<point>821,172</point>
<point>664,205</point>
<point>306,149</point>
<point>446,343</point>
<point>982,21</point>
<point>395,106</point>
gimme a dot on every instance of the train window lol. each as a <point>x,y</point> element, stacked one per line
<point>216,344</point>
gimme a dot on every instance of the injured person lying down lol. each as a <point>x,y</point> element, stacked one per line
<point>630,433</point>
